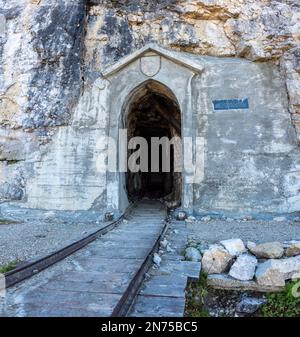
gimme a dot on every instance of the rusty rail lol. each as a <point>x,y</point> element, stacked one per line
<point>28,269</point>
<point>125,303</point>
<point>31,268</point>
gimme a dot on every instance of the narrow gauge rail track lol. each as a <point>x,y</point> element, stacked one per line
<point>118,297</point>
<point>30,268</point>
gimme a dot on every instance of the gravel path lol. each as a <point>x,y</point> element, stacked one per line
<point>23,241</point>
<point>257,231</point>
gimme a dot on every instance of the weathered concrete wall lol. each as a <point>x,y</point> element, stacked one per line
<point>51,50</point>
<point>249,152</point>
<point>67,175</point>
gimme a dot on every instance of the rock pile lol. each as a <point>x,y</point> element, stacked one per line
<point>259,267</point>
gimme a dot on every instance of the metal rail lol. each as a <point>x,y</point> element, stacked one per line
<point>125,303</point>
<point>28,269</point>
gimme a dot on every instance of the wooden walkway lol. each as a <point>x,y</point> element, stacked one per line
<point>163,293</point>
<point>92,281</point>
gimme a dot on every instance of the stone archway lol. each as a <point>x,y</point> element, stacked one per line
<point>153,113</point>
<point>176,74</point>
<point>78,156</point>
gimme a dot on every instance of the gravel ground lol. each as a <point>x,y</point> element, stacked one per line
<point>23,241</point>
<point>33,238</point>
<point>253,230</point>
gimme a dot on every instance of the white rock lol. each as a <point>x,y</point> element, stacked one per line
<point>235,247</point>
<point>268,250</point>
<point>169,249</point>
<point>156,259</point>
<point>250,245</point>
<point>190,219</point>
<point>192,254</point>
<point>293,249</point>
<point>276,272</point>
<point>244,267</point>
<point>226,282</point>
<point>206,218</point>
<point>216,260</point>
<point>181,216</point>
<point>279,218</point>
<point>164,243</point>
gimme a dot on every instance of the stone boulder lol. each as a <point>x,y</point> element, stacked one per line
<point>226,282</point>
<point>164,243</point>
<point>192,254</point>
<point>276,272</point>
<point>190,219</point>
<point>244,267</point>
<point>293,248</point>
<point>181,216</point>
<point>156,259</point>
<point>268,250</point>
<point>249,305</point>
<point>235,247</point>
<point>216,260</point>
<point>206,218</point>
<point>279,219</point>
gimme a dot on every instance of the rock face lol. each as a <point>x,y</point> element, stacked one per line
<point>244,267</point>
<point>276,272</point>
<point>192,254</point>
<point>268,250</point>
<point>216,260</point>
<point>234,246</point>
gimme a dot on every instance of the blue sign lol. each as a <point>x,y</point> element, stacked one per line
<point>231,104</point>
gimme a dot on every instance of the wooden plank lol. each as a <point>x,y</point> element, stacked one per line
<point>184,268</point>
<point>43,302</point>
<point>152,306</point>
<point>122,252</point>
<point>105,265</point>
<point>165,285</point>
<point>97,279</point>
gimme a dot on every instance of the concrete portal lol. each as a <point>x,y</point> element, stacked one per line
<point>152,75</point>
<point>153,113</point>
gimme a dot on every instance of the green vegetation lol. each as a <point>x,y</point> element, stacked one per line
<point>8,267</point>
<point>283,304</point>
<point>196,294</point>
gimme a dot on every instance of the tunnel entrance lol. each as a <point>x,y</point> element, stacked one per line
<point>154,115</point>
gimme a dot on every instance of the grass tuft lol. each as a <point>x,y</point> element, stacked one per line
<point>283,304</point>
<point>8,267</point>
<point>196,294</point>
